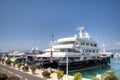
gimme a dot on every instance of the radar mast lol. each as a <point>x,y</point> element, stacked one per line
<point>81,29</point>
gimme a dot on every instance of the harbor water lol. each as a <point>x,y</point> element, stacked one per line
<point>90,73</point>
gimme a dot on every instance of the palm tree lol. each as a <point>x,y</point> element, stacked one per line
<point>19,65</point>
<point>8,62</point>
<point>110,76</point>
<point>14,64</point>
<point>3,60</point>
<point>33,69</point>
<point>77,76</point>
<point>60,74</point>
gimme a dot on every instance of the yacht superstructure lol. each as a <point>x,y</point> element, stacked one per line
<point>82,46</point>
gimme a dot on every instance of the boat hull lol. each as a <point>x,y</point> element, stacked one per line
<point>86,64</point>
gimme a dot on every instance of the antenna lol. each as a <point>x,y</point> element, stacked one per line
<point>104,50</point>
<point>87,35</point>
<point>52,37</point>
<point>81,29</point>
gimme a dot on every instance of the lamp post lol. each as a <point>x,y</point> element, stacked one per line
<point>67,67</point>
<point>26,61</point>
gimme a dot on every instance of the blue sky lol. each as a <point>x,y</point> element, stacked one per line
<point>30,23</point>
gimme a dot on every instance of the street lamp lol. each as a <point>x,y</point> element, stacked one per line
<point>67,67</point>
<point>26,61</point>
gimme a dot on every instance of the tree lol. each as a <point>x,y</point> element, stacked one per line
<point>33,68</point>
<point>110,76</point>
<point>46,74</point>
<point>14,64</point>
<point>13,78</point>
<point>19,65</point>
<point>25,68</point>
<point>3,76</point>
<point>77,76</point>
<point>60,74</point>
<point>8,62</point>
<point>3,60</point>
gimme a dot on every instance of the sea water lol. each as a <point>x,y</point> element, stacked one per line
<point>115,66</point>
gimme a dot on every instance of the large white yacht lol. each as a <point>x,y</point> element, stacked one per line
<point>82,46</point>
<point>82,52</point>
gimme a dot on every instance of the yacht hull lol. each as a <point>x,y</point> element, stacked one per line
<point>86,64</point>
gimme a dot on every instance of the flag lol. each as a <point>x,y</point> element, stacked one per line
<point>52,37</point>
<point>51,53</point>
<point>40,52</point>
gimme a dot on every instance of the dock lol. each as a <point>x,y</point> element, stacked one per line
<point>38,73</point>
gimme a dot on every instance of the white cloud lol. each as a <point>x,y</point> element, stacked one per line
<point>118,43</point>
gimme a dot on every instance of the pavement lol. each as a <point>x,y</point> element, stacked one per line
<point>23,76</point>
<point>29,76</point>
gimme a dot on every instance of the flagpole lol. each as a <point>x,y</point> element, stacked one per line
<point>51,53</point>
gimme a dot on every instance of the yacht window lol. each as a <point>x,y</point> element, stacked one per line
<point>96,51</point>
<point>70,50</point>
<point>91,44</point>
<point>98,57</point>
<point>83,50</point>
<point>82,43</point>
<point>85,58</point>
<point>87,44</point>
<point>76,43</point>
<point>93,51</point>
<point>95,45</point>
<point>86,50</point>
<point>45,58</point>
<point>62,50</point>
<point>93,57</point>
<point>70,42</point>
<point>62,59</point>
<point>89,51</point>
